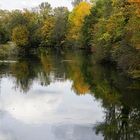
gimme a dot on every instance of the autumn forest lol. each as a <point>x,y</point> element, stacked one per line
<point>108,28</point>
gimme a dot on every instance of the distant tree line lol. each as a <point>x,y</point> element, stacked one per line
<point>41,26</point>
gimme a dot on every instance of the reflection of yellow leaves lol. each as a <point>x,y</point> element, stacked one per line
<point>138,46</point>
<point>81,88</point>
<point>46,62</point>
<point>79,84</point>
<point>75,73</point>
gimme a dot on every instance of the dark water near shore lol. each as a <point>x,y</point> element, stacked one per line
<point>66,96</point>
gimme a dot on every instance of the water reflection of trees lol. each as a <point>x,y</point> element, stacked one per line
<point>73,66</point>
<point>121,123</point>
<point>120,101</point>
<point>118,94</point>
<point>24,74</point>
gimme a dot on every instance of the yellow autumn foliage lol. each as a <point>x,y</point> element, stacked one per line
<point>20,36</point>
<point>76,19</point>
<point>46,30</point>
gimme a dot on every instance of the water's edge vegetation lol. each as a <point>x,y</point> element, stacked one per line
<point>110,29</point>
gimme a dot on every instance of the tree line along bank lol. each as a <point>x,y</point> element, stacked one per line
<point>108,28</point>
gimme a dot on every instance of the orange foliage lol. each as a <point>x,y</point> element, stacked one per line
<point>137,2</point>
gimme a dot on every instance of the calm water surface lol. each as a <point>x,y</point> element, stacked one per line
<point>66,96</point>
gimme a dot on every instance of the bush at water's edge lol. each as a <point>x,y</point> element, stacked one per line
<point>8,50</point>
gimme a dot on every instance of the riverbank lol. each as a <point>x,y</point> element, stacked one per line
<point>8,51</point>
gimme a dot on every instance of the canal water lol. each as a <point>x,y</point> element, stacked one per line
<point>67,96</point>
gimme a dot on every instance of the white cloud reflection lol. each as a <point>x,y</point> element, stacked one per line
<point>53,112</point>
<point>5,136</point>
<point>53,104</point>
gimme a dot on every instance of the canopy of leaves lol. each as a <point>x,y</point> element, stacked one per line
<point>76,19</point>
<point>20,36</point>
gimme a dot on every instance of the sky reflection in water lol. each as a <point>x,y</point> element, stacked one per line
<point>53,112</point>
<point>66,96</point>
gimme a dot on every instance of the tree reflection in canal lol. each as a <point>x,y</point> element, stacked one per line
<point>118,94</point>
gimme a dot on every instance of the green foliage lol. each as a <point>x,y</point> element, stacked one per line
<point>3,35</point>
<point>112,32</point>
<point>54,28</point>
<point>60,26</point>
<point>45,10</point>
<point>7,51</point>
<point>4,32</point>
